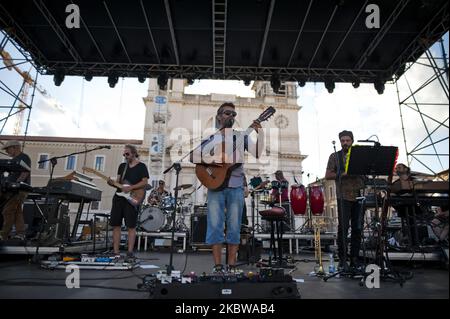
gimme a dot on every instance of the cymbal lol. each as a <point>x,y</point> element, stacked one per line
<point>183,186</point>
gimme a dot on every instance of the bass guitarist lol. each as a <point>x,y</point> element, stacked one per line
<point>225,204</point>
<point>133,175</point>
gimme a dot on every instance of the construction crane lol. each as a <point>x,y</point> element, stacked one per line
<point>28,82</point>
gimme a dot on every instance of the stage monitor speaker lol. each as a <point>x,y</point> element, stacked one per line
<point>198,228</point>
<point>231,290</point>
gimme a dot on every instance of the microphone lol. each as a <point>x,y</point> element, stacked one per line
<point>333,142</point>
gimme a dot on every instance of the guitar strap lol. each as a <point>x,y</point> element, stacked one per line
<point>123,173</point>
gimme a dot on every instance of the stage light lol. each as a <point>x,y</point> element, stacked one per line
<point>301,83</point>
<point>275,83</point>
<point>190,80</point>
<point>58,78</point>
<point>247,80</point>
<point>379,86</point>
<point>356,84</point>
<point>88,77</point>
<point>329,85</point>
<point>162,81</point>
<point>112,80</point>
<point>141,78</point>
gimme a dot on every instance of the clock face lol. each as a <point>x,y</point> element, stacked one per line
<point>281,121</point>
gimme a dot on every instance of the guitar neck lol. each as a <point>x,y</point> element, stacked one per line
<point>93,171</point>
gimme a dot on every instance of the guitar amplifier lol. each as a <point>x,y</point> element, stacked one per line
<point>198,228</point>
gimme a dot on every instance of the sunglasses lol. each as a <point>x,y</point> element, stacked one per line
<point>229,112</point>
<point>126,154</point>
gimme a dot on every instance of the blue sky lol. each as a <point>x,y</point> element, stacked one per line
<point>93,109</point>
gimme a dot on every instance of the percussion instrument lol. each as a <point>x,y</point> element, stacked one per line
<point>168,203</point>
<point>316,200</point>
<point>298,199</point>
<point>266,199</point>
<point>151,218</point>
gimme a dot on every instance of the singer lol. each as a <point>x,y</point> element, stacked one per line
<point>347,190</point>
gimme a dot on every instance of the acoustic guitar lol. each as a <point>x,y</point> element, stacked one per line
<point>135,197</point>
<point>215,176</point>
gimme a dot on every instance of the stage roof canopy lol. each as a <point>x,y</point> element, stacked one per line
<point>313,40</point>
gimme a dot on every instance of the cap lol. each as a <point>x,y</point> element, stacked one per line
<point>10,143</point>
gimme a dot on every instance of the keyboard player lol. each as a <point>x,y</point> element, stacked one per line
<point>408,208</point>
<point>12,210</point>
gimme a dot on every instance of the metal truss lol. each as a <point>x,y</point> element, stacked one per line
<point>19,107</point>
<point>207,71</point>
<point>218,69</point>
<point>420,105</point>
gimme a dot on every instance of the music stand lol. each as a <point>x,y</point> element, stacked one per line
<point>375,161</point>
<point>371,160</point>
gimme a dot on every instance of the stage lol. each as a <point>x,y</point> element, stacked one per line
<point>21,279</point>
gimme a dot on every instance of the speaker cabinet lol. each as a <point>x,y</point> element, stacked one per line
<point>198,228</point>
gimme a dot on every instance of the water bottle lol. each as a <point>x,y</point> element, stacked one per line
<point>332,266</point>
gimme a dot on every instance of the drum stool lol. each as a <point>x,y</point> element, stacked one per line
<point>275,216</point>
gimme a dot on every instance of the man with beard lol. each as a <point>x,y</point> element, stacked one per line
<point>225,206</point>
<point>347,190</point>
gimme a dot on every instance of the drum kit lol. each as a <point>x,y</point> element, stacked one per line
<point>158,217</point>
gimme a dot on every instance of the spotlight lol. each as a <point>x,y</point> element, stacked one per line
<point>329,85</point>
<point>301,83</point>
<point>247,81</point>
<point>58,78</point>
<point>356,84</point>
<point>162,81</point>
<point>190,81</point>
<point>112,80</point>
<point>275,83</point>
<point>141,78</point>
<point>88,77</point>
<point>379,86</point>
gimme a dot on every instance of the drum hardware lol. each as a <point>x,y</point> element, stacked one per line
<point>183,186</point>
<point>318,224</point>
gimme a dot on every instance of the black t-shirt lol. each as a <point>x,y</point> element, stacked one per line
<point>13,176</point>
<point>133,175</point>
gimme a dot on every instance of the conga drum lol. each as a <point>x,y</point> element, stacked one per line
<point>298,199</point>
<point>316,200</point>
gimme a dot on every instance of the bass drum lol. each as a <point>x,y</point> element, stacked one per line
<point>151,219</point>
<point>298,199</point>
<point>316,200</point>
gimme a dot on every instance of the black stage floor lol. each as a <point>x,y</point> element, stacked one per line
<point>20,278</point>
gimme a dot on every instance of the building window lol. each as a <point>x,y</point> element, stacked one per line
<point>95,205</point>
<point>42,157</point>
<point>99,163</point>
<point>71,163</point>
<point>331,192</point>
<point>332,211</point>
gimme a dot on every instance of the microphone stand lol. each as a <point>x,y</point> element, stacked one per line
<point>177,167</point>
<point>340,216</point>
